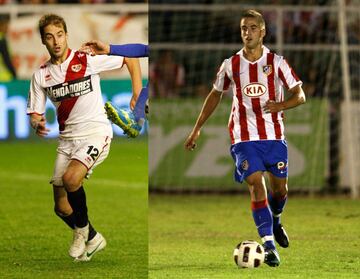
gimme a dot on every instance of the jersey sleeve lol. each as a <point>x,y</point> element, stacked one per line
<point>287,76</point>
<point>222,81</point>
<point>102,63</point>
<point>130,50</point>
<point>36,98</point>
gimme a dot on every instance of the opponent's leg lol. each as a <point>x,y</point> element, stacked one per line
<point>262,216</point>
<point>129,121</point>
<point>140,106</point>
<point>277,198</point>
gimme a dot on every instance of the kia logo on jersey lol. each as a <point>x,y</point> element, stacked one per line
<point>254,89</point>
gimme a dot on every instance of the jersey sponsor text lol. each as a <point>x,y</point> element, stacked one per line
<point>74,88</point>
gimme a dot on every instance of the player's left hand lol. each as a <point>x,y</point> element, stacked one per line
<point>272,106</point>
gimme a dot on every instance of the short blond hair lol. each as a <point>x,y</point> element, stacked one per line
<point>254,14</point>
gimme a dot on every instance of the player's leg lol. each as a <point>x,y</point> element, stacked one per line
<point>277,197</point>
<point>250,167</point>
<point>72,181</point>
<point>92,153</point>
<point>260,209</point>
<point>64,211</point>
<point>62,207</point>
<point>140,106</point>
<point>262,216</point>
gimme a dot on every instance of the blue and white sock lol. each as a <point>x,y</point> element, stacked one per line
<point>264,222</point>
<point>277,204</point>
<point>139,109</point>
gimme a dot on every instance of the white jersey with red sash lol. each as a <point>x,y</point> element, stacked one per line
<point>74,89</point>
<point>253,84</point>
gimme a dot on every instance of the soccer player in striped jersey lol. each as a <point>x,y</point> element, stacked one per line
<point>70,79</point>
<point>257,77</point>
<point>130,121</point>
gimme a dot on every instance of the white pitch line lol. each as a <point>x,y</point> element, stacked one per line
<point>95,181</point>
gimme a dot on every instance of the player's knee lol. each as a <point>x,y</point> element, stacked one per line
<point>280,191</point>
<point>71,182</point>
<point>62,210</point>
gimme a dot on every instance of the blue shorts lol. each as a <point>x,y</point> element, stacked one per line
<point>266,155</point>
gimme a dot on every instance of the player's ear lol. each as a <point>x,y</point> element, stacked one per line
<point>263,32</point>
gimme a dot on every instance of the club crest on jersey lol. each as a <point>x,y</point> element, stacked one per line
<point>76,68</point>
<point>245,165</point>
<point>254,89</point>
<point>267,69</point>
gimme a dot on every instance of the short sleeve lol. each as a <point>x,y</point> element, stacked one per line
<point>36,98</point>
<point>288,77</point>
<point>222,81</point>
<point>101,63</point>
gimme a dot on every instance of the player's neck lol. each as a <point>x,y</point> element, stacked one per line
<point>59,60</point>
<point>253,54</point>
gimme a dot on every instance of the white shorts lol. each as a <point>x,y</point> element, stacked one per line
<point>90,152</point>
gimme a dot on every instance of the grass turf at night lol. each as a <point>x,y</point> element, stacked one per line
<point>194,237</point>
<point>35,241</point>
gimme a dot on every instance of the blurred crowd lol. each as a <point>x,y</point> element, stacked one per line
<point>33,2</point>
<point>254,2</point>
<point>320,73</point>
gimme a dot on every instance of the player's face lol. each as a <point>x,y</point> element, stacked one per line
<point>55,40</point>
<point>251,32</point>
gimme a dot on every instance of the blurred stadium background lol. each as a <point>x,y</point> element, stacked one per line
<point>117,191</point>
<point>320,39</point>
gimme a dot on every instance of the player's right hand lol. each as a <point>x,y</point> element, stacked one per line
<point>190,143</point>
<point>95,47</point>
<point>40,127</point>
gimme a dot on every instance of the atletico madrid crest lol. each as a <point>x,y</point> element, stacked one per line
<point>267,69</point>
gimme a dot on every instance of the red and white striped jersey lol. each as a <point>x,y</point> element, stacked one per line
<point>74,89</point>
<point>253,84</point>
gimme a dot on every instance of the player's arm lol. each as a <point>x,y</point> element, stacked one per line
<point>133,66</point>
<point>297,98</point>
<point>38,123</point>
<point>96,47</point>
<point>210,103</point>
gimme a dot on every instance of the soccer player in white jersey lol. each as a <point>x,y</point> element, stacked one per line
<point>70,79</point>
<point>257,77</point>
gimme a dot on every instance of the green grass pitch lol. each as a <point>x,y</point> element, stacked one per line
<point>34,241</point>
<point>194,237</point>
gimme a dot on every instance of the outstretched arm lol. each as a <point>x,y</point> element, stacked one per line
<point>210,103</point>
<point>96,47</point>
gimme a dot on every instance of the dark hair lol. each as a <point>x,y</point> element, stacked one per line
<point>255,14</point>
<point>48,19</point>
